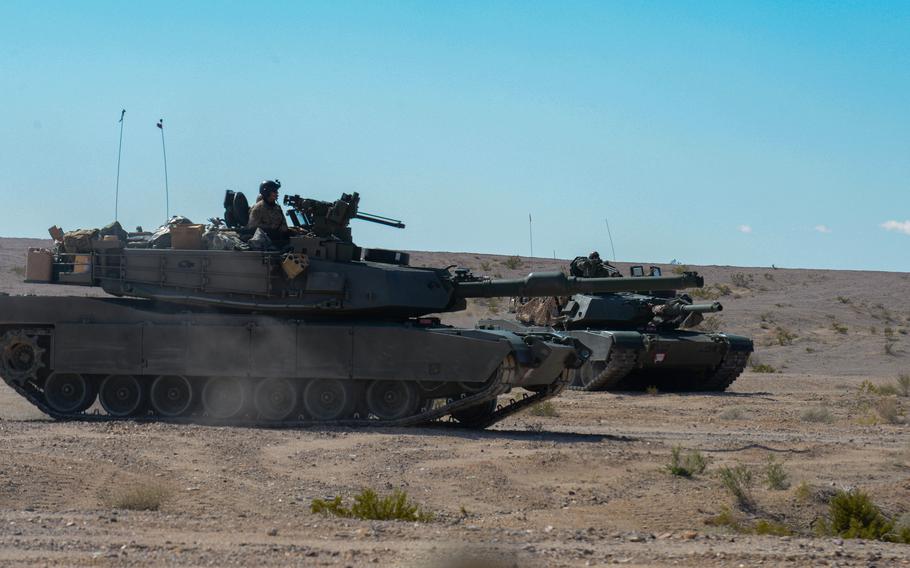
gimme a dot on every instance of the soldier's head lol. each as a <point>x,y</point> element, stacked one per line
<point>594,255</point>
<point>268,189</point>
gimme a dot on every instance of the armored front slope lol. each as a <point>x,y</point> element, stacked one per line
<point>637,340</point>
<point>310,330</point>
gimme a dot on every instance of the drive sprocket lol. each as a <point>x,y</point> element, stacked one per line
<point>20,356</point>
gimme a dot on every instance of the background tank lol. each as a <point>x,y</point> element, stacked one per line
<point>310,329</point>
<point>636,340</point>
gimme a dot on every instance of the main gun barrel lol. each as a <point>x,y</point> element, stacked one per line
<point>702,308</point>
<point>542,284</point>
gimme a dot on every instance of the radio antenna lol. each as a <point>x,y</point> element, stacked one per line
<point>119,152</point>
<point>609,234</point>
<point>167,198</point>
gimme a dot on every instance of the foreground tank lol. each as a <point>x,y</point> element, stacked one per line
<point>312,330</point>
<point>636,340</point>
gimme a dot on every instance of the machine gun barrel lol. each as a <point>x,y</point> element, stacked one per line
<point>387,221</point>
<point>542,284</point>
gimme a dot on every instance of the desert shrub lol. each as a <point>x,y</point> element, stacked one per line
<point>775,475</point>
<point>139,497</point>
<point>887,409</point>
<point>726,518</point>
<point>766,527</point>
<point>843,299</point>
<point>839,328</point>
<point>681,268</point>
<point>693,463</point>
<point>734,413</point>
<point>545,408</point>
<point>852,514</point>
<point>903,384</point>
<point>513,262</point>
<point>867,388</point>
<point>803,491</point>
<point>889,349</point>
<point>784,336</point>
<point>652,390</point>
<point>18,270</point>
<point>485,266</point>
<point>762,368</point>
<point>769,276</point>
<point>738,481</point>
<point>730,519</point>
<point>740,280</point>
<point>369,505</point>
<point>817,414</point>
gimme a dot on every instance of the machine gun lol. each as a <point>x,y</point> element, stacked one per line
<point>331,218</point>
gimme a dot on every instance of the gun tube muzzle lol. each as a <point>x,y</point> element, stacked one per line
<point>702,308</point>
<point>543,284</point>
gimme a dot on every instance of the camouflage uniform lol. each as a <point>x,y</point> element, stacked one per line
<point>269,217</point>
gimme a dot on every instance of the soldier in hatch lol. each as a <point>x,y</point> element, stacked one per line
<point>267,214</point>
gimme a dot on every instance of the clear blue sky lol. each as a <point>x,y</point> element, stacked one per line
<point>730,133</point>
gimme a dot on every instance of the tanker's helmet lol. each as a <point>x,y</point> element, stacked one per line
<point>594,255</point>
<point>268,186</point>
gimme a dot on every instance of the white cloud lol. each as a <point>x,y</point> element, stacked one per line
<point>745,229</point>
<point>898,226</point>
<point>823,228</point>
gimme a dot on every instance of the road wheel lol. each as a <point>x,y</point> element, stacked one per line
<point>329,399</point>
<point>224,397</point>
<point>171,395</point>
<point>391,400</point>
<point>122,395</point>
<point>275,399</point>
<point>585,375</point>
<point>68,392</point>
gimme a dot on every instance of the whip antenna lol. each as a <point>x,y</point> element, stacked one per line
<point>531,235</point>
<point>167,198</point>
<point>609,234</point>
<point>119,152</point>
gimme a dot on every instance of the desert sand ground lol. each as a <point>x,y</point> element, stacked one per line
<point>587,486</point>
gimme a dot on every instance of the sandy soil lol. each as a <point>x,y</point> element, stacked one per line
<point>586,487</point>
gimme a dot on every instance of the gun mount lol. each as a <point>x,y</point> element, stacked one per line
<point>327,219</point>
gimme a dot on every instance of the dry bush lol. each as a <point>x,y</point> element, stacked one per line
<point>369,505</point>
<point>734,413</point>
<point>762,368</point>
<point>138,497</point>
<point>903,384</point>
<point>784,336</point>
<point>853,514</point>
<point>888,410</point>
<point>693,463</point>
<point>681,269</point>
<point>775,475</point>
<point>738,481</point>
<point>513,262</point>
<point>652,390</point>
<point>818,414</point>
<point>545,408</point>
<point>741,280</point>
<point>839,328</point>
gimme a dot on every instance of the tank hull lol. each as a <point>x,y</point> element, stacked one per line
<point>673,360</point>
<point>388,372</point>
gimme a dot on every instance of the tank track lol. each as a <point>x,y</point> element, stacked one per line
<point>430,415</point>
<point>622,361</point>
<point>732,365</point>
